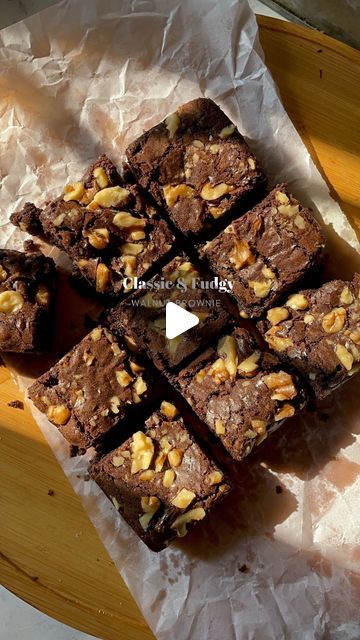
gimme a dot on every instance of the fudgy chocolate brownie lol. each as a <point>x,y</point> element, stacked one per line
<point>106,227</point>
<point>161,481</point>
<point>92,390</point>
<point>197,165</point>
<point>142,317</point>
<point>266,251</point>
<point>27,291</point>
<point>240,392</point>
<point>318,332</point>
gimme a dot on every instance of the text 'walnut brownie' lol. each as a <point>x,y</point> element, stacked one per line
<point>318,332</point>
<point>266,251</point>
<point>160,480</point>
<point>240,392</point>
<point>106,227</point>
<point>27,290</point>
<point>92,389</point>
<point>197,165</point>
<point>142,317</point>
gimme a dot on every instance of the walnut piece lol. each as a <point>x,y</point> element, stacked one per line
<point>140,385</point>
<point>183,499</point>
<point>259,426</point>
<point>250,364</point>
<point>281,197</point>
<point>346,296</point>
<point>142,452</point>
<point>124,220</point>
<point>227,349</point>
<point>214,477</point>
<point>11,302</point>
<point>240,255</point>
<point>100,176</point>
<point>147,476</point>
<point>172,123</point>
<point>111,197</point>
<point>286,411</point>
<point>281,384</point>
<point>226,132</point>
<point>297,301</point>
<point>96,334</point>
<point>344,356</point>
<point>210,192</point>
<point>219,427</point>
<point>355,336</point>
<point>174,193</point>
<point>123,378</point>
<point>279,343</point>
<point>74,191</point>
<point>175,457</point>
<point>181,521</point>
<point>277,315</point>
<point>3,274</point>
<point>118,461</point>
<point>149,505</point>
<point>168,409</point>
<point>102,277</point>
<point>334,320</point>
<point>99,238</point>
<point>261,289</point>
<point>58,414</point>
<point>169,477</point>
<point>42,296</point>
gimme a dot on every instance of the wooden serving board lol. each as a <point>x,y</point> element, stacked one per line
<point>50,554</point>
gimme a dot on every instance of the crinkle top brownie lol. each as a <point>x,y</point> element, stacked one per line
<point>142,317</point>
<point>266,251</point>
<point>241,392</point>
<point>318,332</point>
<point>27,289</point>
<point>197,165</point>
<point>92,389</point>
<point>160,480</point>
<point>107,227</point>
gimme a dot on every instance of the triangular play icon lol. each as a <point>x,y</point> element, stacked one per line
<point>178,320</point>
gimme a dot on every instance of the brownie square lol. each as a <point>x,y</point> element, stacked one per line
<point>266,251</point>
<point>197,165</point>
<point>160,480</point>
<point>93,390</point>
<point>318,332</point>
<point>142,317</point>
<point>240,392</point>
<point>27,292</point>
<point>106,226</point>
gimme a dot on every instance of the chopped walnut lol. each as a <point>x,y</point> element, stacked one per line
<point>277,315</point>
<point>219,427</point>
<point>297,301</point>
<point>261,289</point>
<point>210,192</point>
<point>123,378</point>
<point>279,343</point>
<point>102,277</point>
<point>181,521</point>
<point>142,452</point>
<point>101,178</point>
<point>250,364</point>
<point>183,499</point>
<point>240,255</point>
<point>169,477</point>
<point>286,411</point>
<point>111,197</point>
<point>226,132</point>
<point>74,191</point>
<point>173,193</point>
<point>11,302</point>
<point>334,320</point>
<point>344,356</point>
<point>175,457</point>
<point>227,349</point>
<point>281,384</point>
<point>168,409</point>
<point>346,296</point>
<point>147,476</point>
<point>58,414</point>
<point>172,123</point>
<point>214,477</point>
<point>149,505</point>
<point>124,220</point>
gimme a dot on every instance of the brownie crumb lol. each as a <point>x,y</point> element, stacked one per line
<point>34,578</point>
<point>244,568</point>
<point>278,489</point>
<point>51,492</point>
<point>16,404</point>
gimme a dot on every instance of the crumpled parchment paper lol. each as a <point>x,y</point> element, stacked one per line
<point>280,559</point>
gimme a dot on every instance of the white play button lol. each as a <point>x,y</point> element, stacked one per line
<point>178,320</point>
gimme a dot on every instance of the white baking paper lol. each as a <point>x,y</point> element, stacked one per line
<point>280,559</point>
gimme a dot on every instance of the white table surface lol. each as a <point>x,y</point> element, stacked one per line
<point>18,620</point>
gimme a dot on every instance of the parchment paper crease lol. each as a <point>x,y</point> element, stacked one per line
<point>281,558</point>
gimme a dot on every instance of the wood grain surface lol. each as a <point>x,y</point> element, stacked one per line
<point>50,554</point>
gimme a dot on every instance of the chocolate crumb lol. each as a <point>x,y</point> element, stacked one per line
<point>51,492</point>
<point>16,404</point>
<point>244,568</point>
<point>34,578</point>
<point>278,489</point>
<point>320,73</point>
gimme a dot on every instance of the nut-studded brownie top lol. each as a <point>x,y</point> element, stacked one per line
<point>266,251</point>
<point>91,389</point>
<point>106,226</point>
<point>240,392</point>
<point>318,331</point>
<point>197,164</point>
<point>161,480</point>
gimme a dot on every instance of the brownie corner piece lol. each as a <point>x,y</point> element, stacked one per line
<point>27,292</point>
<point>160,480</point>
<point>197,165</point>
<point>92,390</point>
<point>317,331</point>
<point>265,252</point>
<point>241,392</point>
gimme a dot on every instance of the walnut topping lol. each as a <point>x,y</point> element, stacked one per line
<point>279,343</point>
<point>277,315</point>
<point>100,176</point>
<point>175,457</point>
<point>281,384</point>
<point>124,220</point>
<point>214,148</point>
<point>355,336</point>
<point>297,301</point>
<point>250,364</point>
<point>346,296</point>
<point>259,426</point>
<point>160,460</point>
<point>281,197</point>
<point>344,356</point>
<point>169,477</point>
<point>261,289</point>
<point>240,255</point>
<point>115,403</point>
<point>268,273</point>
<point>219,427</point>
<point>227,349</point>
<point>130,264</point>
<point>309,318</point>
<point>74,191</point>
<point>123,378</point>
<point>102,277</point>
<point>99,238</point>
<point>11,301</point>
<point>111,197</point>
<point>210,192</point>
<point>183,499</point>
<point>251,163</point>
<point>286,411</point>
<point>130,249</point>
<point>216,212</point>
<point>168,409</point>
<point>96,334</point>
<point>135,367</point>
<point>147,476</point>
<point>142,451</point>
<point>214,477</point>
<point>165,444</point>
<point>118,461</point>
<point>115,503</point>
<point>288,210</point>
<point>172,123</point>
<point>334,320</point>
<point>299,222</point>
<point>198,144</point>
<point>3,274</point>
<point>140,386</point>
<point>149,505</point>
<point>42,296</point>
<point>181,521</point>
<point>58,414</point>
<point>174,193</point>
<point>226,132</point>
